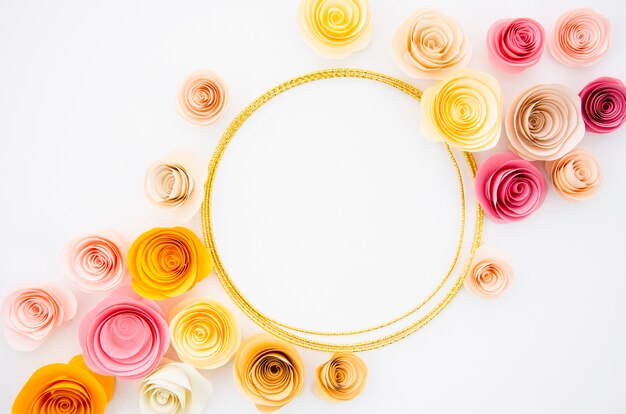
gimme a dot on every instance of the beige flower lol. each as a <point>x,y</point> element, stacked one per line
<point>430,45</point>
<point>202,98</point>
<point>489,273</point>
<point>268,371</point>
<point>341,378</point>
<point>576,176</point>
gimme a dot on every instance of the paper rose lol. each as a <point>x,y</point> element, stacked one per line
<point>576,176</point>
<point>464,111</point>
<point>174,183</point>
<point>96,262</point>
<point>341,378</point>
<point>65,388</point>
<point>30,315</point>
<point>204,332</point>
<point>174,388</point>
<point>515,44</point>
<point>124,335</point>
<point>603,104</point>
<point>581,37</point>
<point>202,98</point>
<point>544,122</point>
<point>489,273</point>
<point>268,371</point>
<point>335,28</point>
<point>167,262</point>
<point>509,188</point>
<point>430,45</point>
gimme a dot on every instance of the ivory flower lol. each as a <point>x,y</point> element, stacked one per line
<point>202,98</point>
<point>30,315</point>
<point>341,378</point>
<point>335,28</point>
<point>489,273</point>
<point>268,371</point>
<point>463,111</point>
<point>430,45</point>
<point>167,262</point>
<point>581,37</point>
<point>603,104</point>
<point>576,176</point>
<point>515,44</point>
<point>204,332</point>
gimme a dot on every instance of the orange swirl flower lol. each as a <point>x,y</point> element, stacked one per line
<point>341,378</point>
<point>202,98</point>
<point>167,262</point>
<point>489,273</point>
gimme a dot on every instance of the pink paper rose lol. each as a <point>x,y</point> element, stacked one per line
<point>124,335</point>
<point>515,44</point>
<point>509,188</point>
<point>603,104</point>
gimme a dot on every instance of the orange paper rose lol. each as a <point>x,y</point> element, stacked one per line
<point>341,378</point>
<point>167,262</point>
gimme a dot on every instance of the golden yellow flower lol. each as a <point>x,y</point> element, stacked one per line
<point>335,28</point>
<point>464,111</point>
<point>167,262</point>
<point>204,332</point>
<point>341,378</point>
<point>268,371</point>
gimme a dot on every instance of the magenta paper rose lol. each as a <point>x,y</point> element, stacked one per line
<point>124,335</point>
<point>603,104</point>
<point>509,188</point>
<point>515,44</point>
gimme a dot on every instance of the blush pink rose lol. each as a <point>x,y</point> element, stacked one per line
<point>509,188</point>
<point>124,335</point>
<point>603,104</point>
<point>515,44</point>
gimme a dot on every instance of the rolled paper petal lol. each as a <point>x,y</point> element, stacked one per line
<point>65,388</point>
<point>515,44</point>
<point>464,111</point>
<point>430,45</point>
<point>489,273</point>
<point>124,335</point>
<point>202,98</point>
<point>174,183</point>
<point>268,371</point>
<point>544,122</point>
<point>576,176</point>
<point>31,315</point>
<point>167,262</point>
<point>341,378</point>
<point>603,104</point>
<point>581,37</point>
<point>174,388</point>
<point>335,28</point>
<point>96,262</point>
<point>204,332</point>
<point>509,188</point>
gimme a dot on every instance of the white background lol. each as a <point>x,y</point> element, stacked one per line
<point>332,211</point>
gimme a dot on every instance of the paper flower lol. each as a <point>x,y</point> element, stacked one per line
<point>603,104</point>
<point>341,378</point>
<point>515,44</point>
<point>167,262</point>
<point>509,188</point>
<point>124,335</point>
<point>174,183</point>
<point>335,28</point>
<point>576,176</point>
<point>581,37</point>
<point>174,388</point>
<point>30,315</point>
<point>96,262</point>
<point>464,111</point>
<point>430,45</point>
<point>489,273</point>
<point>544,122</point>
<point>268,371</point>
<point>65,388</point>
<point>204,332</point>
<point>202,98</point>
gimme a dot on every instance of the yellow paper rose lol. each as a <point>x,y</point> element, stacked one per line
<point>65,388</point>
<point>335,28</point>
<point>204,332</point>
<point>341,378</point>
<point>464,111</point>
<point>167,262</point>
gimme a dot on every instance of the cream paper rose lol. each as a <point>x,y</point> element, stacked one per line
<point>489,273</point>
<point>341,378</point>
<point>576,176</point>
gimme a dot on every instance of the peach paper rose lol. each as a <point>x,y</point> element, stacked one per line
<point>489,273</point>
<point>335,28</point>
<point>202,98</point>
<point>30,315</point>
<point>268,371</point>
<point>341,378</point>
<point>430,45</point>
<point>576,176</point>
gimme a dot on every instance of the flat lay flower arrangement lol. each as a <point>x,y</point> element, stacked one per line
<point>127,335</point>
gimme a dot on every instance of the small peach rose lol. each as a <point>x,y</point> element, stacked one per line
<point>489,273</point>
<point>341,378</point>
<point>576,176</point>
<point>581,37</point>
<point>202,98</point>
